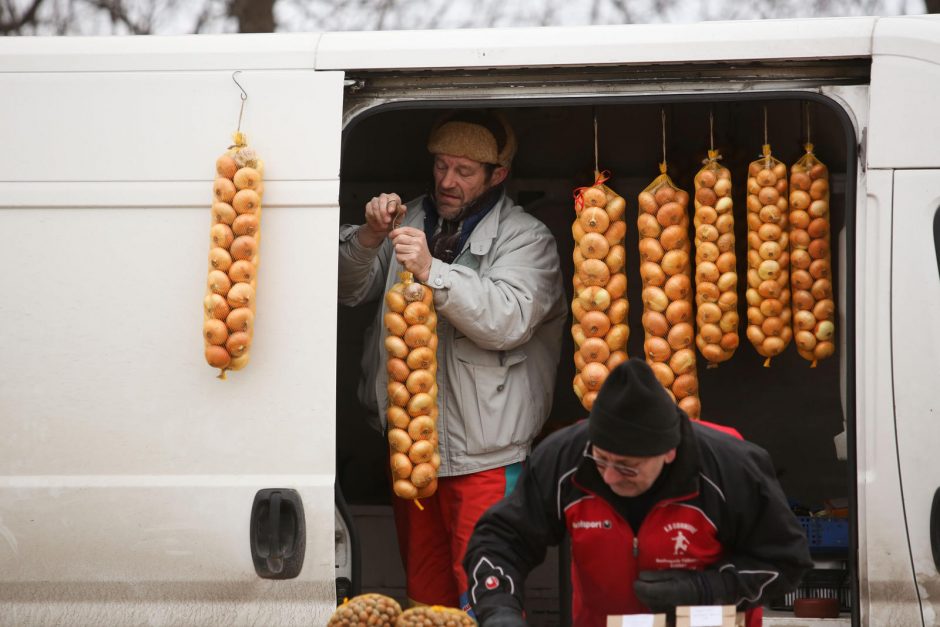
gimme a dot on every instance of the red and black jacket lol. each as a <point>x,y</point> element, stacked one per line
<point>717,506</point>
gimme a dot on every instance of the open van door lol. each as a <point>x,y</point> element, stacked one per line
<point>915,334</point>
<point>904,551</point>
<point>135,486</point>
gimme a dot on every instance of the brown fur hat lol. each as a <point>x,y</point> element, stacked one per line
<point>484,136</point>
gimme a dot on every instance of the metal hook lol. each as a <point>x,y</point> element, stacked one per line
<point>244,97</point>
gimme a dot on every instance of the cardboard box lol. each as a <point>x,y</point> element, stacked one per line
<point>708,616</point>
<point>637,620</point>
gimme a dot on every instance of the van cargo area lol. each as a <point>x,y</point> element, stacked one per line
<point>793,410</point>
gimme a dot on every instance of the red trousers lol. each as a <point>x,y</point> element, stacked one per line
<point>433,541</point>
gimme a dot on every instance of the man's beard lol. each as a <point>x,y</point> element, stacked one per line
<point>443,244</point>
<point>467,207</point>
<point>453,214</point>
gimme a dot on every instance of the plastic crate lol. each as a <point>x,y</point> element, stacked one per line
<point>819,583</point>
<point>826,534</point>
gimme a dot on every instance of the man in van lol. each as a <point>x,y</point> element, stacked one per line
<point>660,512</point>
<point>497,291</point>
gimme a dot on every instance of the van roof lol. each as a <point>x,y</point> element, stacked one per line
<point>638,44</point>
<point>599,45</point>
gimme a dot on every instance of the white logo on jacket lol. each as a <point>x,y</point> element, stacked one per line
<point>591,524</point>
<point>680,543</point>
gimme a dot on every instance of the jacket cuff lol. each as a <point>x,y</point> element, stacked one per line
<point>437,276</point>
<point>495,602</point>
<point>349,235</point>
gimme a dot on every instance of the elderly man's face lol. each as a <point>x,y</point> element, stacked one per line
<point>630,476</point>
<point>459,181</point>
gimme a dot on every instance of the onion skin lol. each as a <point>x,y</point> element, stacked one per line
<point>217,356</point>
<point>215,332</point>
<point>240,320</point>
<point>401,466</point>
<point>405,489</point>
<point>215,306</point>
<point>245,224</point>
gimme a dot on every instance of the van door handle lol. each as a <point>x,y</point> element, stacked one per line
<point>278,533</point>
<point>935,529</point>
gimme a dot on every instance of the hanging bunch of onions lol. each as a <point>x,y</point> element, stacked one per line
<point>411,346</point>
<point>599,306</point>
<point>235,237</point>
<point>768,257</point>
<point>716,277</point>
<point>811,258</point>
<point>665,268</point>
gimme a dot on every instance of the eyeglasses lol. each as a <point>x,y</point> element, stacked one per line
<point>603,464</point>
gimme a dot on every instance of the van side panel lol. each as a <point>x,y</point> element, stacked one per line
<point>915,303</point>
<point>888,593</point>
<point>127,469</point>
<point>905,79</point>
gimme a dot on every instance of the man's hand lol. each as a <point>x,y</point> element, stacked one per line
<point>663,590</point>
<point>503,617</point>
<point>380,217</point>
<point>411,250</point>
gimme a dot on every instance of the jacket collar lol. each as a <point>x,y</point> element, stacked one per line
<point>680,483</point>
<point>481,239</point>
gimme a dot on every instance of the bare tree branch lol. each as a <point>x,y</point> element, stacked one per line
<point>10,23</point>
<point>118,14</point>
<point>625,13</point>
<point>438,15</point>
<point>384,7</point>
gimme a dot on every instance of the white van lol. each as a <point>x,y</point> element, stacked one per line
<point>136,488</point>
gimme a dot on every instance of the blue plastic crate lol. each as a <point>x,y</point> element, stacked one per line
<point>826,534</point>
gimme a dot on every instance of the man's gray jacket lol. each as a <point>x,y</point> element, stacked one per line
<point>501,313</point>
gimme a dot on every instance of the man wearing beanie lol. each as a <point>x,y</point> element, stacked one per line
<point>494,272</point>
<point>660,512</point>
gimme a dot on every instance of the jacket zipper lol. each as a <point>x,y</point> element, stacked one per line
<point>636,536</point>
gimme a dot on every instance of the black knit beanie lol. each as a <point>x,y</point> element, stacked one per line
<point>632,414</point>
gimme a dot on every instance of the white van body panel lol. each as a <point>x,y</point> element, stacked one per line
<point>126,125</point>
<point>885,578</point>
<point>905,74</point>
<point>284,51</point>
<point>915,286</point>
<point>127,469</point>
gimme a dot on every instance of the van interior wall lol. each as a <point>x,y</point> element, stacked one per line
<point>789,408</point>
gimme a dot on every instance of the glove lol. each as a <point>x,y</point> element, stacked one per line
<point>663,590</point>
<point>503,617</point>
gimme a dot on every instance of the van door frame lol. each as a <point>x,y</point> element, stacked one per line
<point>352,115</point>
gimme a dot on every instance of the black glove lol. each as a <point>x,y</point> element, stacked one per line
<point>663,590</point>
<point>503,617</point>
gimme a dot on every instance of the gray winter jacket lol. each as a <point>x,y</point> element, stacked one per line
<point>501,312</point>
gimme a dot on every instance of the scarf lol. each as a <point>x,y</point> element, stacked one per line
<point>446,238</point>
